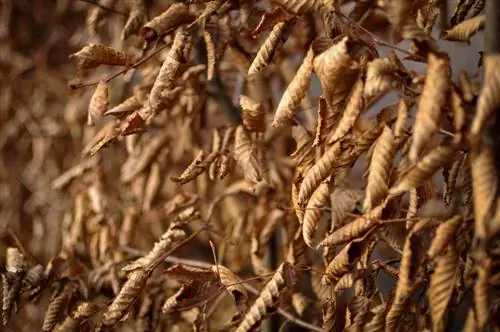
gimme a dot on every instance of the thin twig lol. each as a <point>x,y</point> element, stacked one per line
<point>374,37</point>
<point>109,9</point>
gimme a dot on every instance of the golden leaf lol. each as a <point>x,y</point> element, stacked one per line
<point>93,55</point>
<point>254,116</point>
<point>176,15</point>
<point>441,286</point>
<point>424,169</point>
<point>355,229</point>
<point>380,165</point>
<point>380,74</point>
<point>466,29</point>
<point>485,188</point>
<point>445,234</point>
<point>432,100</point>
<point>343,262</point>
<point>98,103</point>
<point>128,295</point>
<point>284,277</point>
<point>318,173</point>
<point>270,47</point>
<point>489,99</point>
<point>354,107</point>
<point>295,92</point>
<point>315,211</point>
<point>170,69</point>
<point>337,71</point>
<point>246,157</point>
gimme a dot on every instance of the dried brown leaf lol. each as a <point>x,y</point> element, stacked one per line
<point>98,103</point>
<point>318,173</point>
<point>268,297</point>
<point>485,188</point>
<point>466,29</point>
<point>445,234</point>
<point>354,107</point>
<point>254,116</point>
<point>271,46</point>
<point>380,165</point>
<point>424,169</point>
<point>295,92</point>
<point>176,15</point>
<point>441,286</point>
<point>432,100</point>
<point>129,293</point>
<point>93,55</point>
<point>489,99</point>
<point>314,212</point>
<point>170,69</point>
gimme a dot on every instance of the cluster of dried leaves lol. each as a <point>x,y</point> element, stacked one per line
<point>191,181</point>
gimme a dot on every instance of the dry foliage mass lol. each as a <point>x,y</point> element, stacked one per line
<point>235,165</point>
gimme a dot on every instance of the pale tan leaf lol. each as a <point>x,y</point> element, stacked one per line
<point>424,169</point>
<point>271,46</point>
<point>128,295</point>
<point>127,106</point>
<point>462,8</point>
<point>233,285</point>
<point>348,279</point>
<point>295,92</point>
<point>380,165</point>
<point>343,262</point>
<point>489,99</point>
<point>57,305</point>
<point>314,212</point>
<point>168,240</point>
<point>441,286</point>
<point>198,166</point>
<point>337,72</point>
<point>408,271</point>
<point>136,163</point>
<point>177,14</point>
<point>98,103</point>
<point>284,277</point>
<point>402,117</point>
<point>245,156</point>
<point>380,74</point>
<point>445,234</point>
<point>93,55</point>
<point>269,20</point>
<point>318,173</point>
<point>466,29</point>
<point>432,100</point>
<point>170,69</point>
<point>354,107</point>
<point>355,229</point>
<point>482,293</point>
<point>136,19</point>
<point>254,116</point>
<point>485,188</point>
<point>450,178</point>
